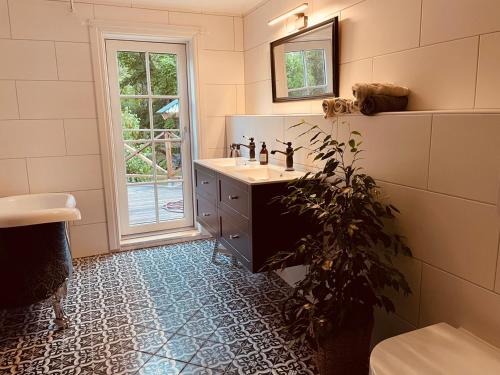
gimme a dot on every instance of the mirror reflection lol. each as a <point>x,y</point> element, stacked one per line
<point>304,64</point>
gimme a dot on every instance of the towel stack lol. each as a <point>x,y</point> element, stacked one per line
<point>380,97</point>
<point>337,106</point>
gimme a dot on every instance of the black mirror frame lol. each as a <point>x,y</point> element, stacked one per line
<point>335,61</point>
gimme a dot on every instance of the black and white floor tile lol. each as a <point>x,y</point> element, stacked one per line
<point>165,310</point>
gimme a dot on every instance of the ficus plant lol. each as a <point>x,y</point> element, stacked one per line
<point>349,258</point>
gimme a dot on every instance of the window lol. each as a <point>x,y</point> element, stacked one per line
<point>306,72</point>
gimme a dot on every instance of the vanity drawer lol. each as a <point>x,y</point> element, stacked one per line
<point>206,214</point>
<point>234,230</point>
<point>205,183</point>
<point>234,195</point>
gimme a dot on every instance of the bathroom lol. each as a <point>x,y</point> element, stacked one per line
<point>118,120</point>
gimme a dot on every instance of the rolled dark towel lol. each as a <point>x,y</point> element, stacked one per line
<point>383,103</point>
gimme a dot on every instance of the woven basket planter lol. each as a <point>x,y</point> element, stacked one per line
<point>347,352</point>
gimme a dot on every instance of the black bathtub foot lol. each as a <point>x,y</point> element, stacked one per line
<point>61,321</point>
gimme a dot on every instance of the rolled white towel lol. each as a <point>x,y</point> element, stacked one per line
<point>337,106</point>
<point>362,90</point>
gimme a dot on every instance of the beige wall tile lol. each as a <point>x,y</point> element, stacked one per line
<point>476,175</point>
<point>88,240</point>
<point>69,173</point>
<point>214,153</point>
<point>446,298</point>
<point>24,59</point>
<point>31,138</point>
<point>408,306</point>
<point>153,4</point>
<point>238,34</point>
<point>105,12</point>
<point>213,133</point>
<point>221,67</point>
<point>497,280</point>
<point>4,19</point>
<point>56,99</point>
<point>326,9</point>
<point>81,137</point>
<point>454,234</point>
<point>396,148</point>
<point>91,205</point>
<point>388,325</point>
<point>257,64</point>
<point>292,134</point>
<point>258,98</point>
<point>291,108</point>
<point>256,29</point>
<point>488,74</point>
<point>268,129</point>
<point>217,31</point>
<point>219,100</point>
<point>444,20</point>
<point>354,72</point>
<point>8,100</point>
<point>74,62</point>
<point>368,28</point>
<point>49,20</point>
<point>17,181</point>
<point>441,76</point>
<point>237,127</point>
<point>240,99</point>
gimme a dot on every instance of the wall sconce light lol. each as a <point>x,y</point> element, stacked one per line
<point>301,20</point>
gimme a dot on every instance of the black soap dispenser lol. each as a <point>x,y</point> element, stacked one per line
<point>264,155</point>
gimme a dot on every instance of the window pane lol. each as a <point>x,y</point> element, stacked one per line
<point>136,135</point>
<point>166,114</point>
<point>168,160</point>
<point>297,93</point>
<point>171,201</point>
<point>132,73</point>
<point>141,204</point>
<point>163,67</point>
<point>138,162</point>
<point>135,114</point>
<point>315,61</point>
<point>295,69</point>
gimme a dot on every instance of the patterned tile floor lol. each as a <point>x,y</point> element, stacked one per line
<point>166,310</point>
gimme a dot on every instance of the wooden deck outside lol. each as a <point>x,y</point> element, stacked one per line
<point>141,203</point>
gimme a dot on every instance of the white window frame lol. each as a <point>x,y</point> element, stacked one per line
<point>100,31</point>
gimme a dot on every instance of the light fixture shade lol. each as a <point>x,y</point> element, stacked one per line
<point>300,9</point>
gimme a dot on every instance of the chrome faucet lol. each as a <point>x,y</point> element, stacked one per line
<point>234,150</point>
<point>288,153</point>
<point>250,146</point>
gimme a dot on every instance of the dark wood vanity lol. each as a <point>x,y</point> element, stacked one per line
<point>244,217</point>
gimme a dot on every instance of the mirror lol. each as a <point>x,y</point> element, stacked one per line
<point>305,65</point>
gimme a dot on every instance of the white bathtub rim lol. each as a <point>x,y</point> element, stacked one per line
<point>15,210</point>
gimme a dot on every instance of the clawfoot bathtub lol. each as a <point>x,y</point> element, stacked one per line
<point>35,258</point>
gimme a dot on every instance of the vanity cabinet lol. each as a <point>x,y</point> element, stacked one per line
<point>244,218</point>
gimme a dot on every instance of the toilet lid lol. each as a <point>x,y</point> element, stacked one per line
<point>438,349</point>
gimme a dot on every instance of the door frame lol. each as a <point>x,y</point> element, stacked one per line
<point>100,31</point>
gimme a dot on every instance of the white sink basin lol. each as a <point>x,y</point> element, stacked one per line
<point>252,172</point>
<point>21,210</point>
<point>266,173</point>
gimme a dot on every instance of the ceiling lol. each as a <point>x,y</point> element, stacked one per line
<point>234,7</point>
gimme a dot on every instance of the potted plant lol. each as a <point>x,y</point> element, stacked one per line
<point>348,261</point>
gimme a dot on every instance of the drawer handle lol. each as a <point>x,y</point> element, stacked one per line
<point>233,197</point>
<point>234,236</point>
<point>205,214</point>
<point>205,182</point>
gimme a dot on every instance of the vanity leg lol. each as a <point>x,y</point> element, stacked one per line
<point>216,251</point>
<point>61,320</point>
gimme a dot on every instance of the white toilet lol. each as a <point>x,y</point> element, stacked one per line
<point>437,349</point>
